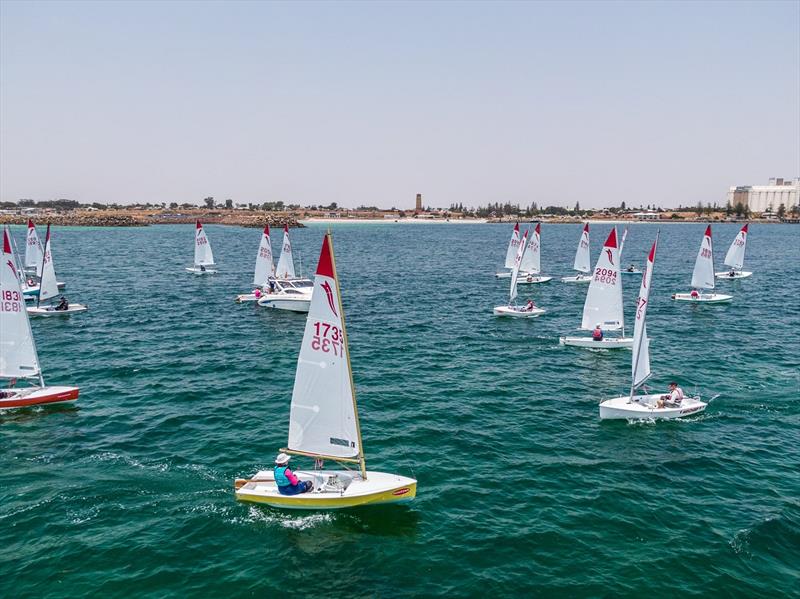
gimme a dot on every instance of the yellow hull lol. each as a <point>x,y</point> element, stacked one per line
<point>401,492</point>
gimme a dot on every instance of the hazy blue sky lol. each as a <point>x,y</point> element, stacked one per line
<point>371,103</point>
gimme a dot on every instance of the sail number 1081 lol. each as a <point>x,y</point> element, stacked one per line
<point>327,338</point>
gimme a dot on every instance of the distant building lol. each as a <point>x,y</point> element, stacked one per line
<point>766,198</point>
<point>646,215</point>
<point>418,207</point>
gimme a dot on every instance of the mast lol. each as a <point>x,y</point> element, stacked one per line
<point>361,459</point>
<point>44,257</point>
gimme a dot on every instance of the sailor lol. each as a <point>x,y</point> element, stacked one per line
<point>529,306</point>
<point>257,293</point>
<point>631,268</point>
<point>671,399</point>
<point>272,285</point>
<point>732,273</point>
<point>287,481</point>
<point>597,333</point>
<point>202,268</point>
<point>63,304</point>
<point>694,294</point>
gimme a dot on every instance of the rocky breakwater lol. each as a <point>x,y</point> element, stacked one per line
<point>143,218</point>
<point>75,219</point>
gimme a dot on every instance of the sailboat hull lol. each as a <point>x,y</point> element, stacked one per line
<point>285,302</point>
<point>196,270</point>
<point>502,275</point>
<point>635,271</point>
<point>577,279</point>
<point>36,396</point>
<point>51,310</point>
<point>739,274</point>
<point>333,490</point>
<point>643,407</point>
<point>703,298</point>
<point>605,343</point>
<point>517,312</point>
<point>530,279</point>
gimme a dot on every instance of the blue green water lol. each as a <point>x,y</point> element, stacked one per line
<point>522,489</point>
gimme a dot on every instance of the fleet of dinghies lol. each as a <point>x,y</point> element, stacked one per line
<point>703,276</point>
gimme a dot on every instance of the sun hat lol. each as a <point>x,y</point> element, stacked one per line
<point>282,459</point>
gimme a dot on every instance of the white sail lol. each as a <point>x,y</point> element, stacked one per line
<point>285,268</point>
<point>33,249</point>
<point>515,268</point>
<point>323,419</point>
<point>48,287</point>
<point>703,275</point>
<point>531,259</point>
<point>603,303</point>
<point>582,255</point>
<point>640,361</point>
<point>17,351</point>
<point>265,267</point>
<point>23,282</point>
<point>202,248</point>
<point>735,256</point>
<point>511,252</point>
<point>622,242</point>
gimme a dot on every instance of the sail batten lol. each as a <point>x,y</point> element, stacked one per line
<point>203,256</point>
<point>603,303</point>
<point>323,419</point>
<point>18,358</point>
<point>285,268</point>
<point>703,274</point>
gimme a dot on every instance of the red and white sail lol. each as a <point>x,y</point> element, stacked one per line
<point>265,266</point>
<point>735,256</point>
<point>18,357</point>
<point>640,361</point>
<point>703,275</point>
<point>582,255</point>
<point>603,303</point>
<point>532,260</point>
<point>33,249</point>
<point>323,419</point>
<point>202,248</point>
<point>48,287</point>
<point>285,268</point>
<point>511,252</point>
<point>515,269</point>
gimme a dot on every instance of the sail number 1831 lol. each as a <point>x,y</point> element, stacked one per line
<point>327,338</point>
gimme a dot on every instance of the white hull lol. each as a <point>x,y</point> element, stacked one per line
<point>51,310</point>
<point>577,279</point>
<point>530,279</point>
<point>739,274</point>
<point>246,297</point>
<point>635,271</point>
<point>606,343</point>
<point>643,407</point>
<point>282,302</point>
<point>11,399</point>
<point>333,489</point>
<point>703,298</point>
<point>196,270</point>
<point>517,312</point>
<point>503,275</point>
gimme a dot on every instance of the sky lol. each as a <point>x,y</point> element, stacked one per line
<point>370,103</point>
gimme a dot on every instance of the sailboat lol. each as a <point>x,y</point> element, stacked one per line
<point>265,269</point>
<point>18,357</point>
<point>582,258</point>
<point>203,257</point>
<point>528,311</point>
<point>645,407</point>
<point>511,253</point>
<point>631,269</point>
<point>531,264</point>
<point>603,305</point>
<point>48,288</point>
<point>703,276</point>
<point>735,258</point>
<point>323,420</point>
<point>289,292</point>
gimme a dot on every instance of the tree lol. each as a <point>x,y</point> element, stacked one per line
<point>728,208</point>
<point>738,209</point>
<point>622,206</point>
<point>577,207</point>
<point>699,209</point>
<point>173,205</point>
<point>781,211</point>
<point>209,202</point>
<point>229,204</point>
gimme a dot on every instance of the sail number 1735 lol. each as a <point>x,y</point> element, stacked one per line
<point>327,338</point>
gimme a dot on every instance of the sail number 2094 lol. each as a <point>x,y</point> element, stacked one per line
<point>10,301</point>
<point>328,338</point>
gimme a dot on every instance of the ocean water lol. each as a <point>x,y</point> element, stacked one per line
<point>522,489</point>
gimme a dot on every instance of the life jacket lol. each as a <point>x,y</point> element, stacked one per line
<point>280,476</point>
<point>597,334</point>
